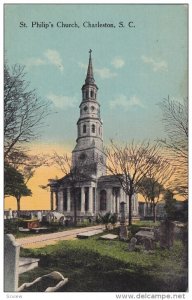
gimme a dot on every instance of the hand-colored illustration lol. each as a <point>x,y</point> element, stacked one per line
<point>96,148</point>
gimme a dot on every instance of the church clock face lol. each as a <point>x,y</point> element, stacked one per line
<point>82,156</point>
<point>85,108</point>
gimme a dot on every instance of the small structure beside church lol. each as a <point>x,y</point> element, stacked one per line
<point>95,191</point>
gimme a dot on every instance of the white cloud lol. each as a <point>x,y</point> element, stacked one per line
<point>105,73</point>
<point>125,103</point>
<point>33,61</point>
<point>54,58</point>
<point>82,66</point>
<point>118,62</point>
<point>50,57</point>
<point>156,65</point>
<point>61,101</point>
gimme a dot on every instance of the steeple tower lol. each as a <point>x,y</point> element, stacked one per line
<point>89,147</point>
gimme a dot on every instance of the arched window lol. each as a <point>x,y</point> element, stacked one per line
<point>92,94</point>
<point>87,94</point>
<point>84,128</point>
<point>93,128</point>
<point>103,200</point>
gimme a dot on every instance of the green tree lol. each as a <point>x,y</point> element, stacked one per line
<point>15,185</point>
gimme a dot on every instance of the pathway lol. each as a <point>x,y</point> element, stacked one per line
<point>42,240</point>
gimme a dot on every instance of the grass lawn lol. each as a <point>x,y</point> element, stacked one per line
<point>95,265</point>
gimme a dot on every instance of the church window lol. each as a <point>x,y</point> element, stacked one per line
<point>103,200</point>
<point>92,94</point>
<point>92,108</point>
<point>84,128</point>
<point>93,128</point>
<point>87,94</point>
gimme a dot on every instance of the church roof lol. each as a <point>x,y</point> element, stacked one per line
<point>68,179</point>
<point>90,78</point>
<point>108,178</point>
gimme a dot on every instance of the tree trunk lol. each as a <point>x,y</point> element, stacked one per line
<point>18,203</point>
<point>154,213</point>
<point>130,209</point>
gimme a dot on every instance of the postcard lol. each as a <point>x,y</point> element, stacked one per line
<point>95,149</point>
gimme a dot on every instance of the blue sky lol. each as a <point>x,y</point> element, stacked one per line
<point>134,68</point>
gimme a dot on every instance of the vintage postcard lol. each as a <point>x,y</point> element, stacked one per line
<point>95,149</point>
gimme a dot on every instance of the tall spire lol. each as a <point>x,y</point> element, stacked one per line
<point>89,78</point>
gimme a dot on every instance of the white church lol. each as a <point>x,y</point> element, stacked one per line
<point>95,191</point>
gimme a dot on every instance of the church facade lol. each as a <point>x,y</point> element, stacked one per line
<point>89,191</point>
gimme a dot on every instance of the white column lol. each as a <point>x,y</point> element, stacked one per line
<point>119,199</point>
<point>90,199</point>
<point>82,200</point>
<point>109,200</point>
<point>60,201</point>
<point>112,203</point>
<point>97,200</point>
<point>68,200</point>
<point>94,199</point>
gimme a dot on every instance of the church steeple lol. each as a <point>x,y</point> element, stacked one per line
<point>90,78</point>
<point>89,89</point>
<point>89,147</point>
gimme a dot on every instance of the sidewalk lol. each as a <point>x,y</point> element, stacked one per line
<point>42,240</point>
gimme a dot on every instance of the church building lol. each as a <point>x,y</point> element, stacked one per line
<point>94,191</point>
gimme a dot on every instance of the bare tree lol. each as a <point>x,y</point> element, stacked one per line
<point>130,164</point>
<point>24,112</point>
<point>175,119</point>
<point>153,186</point>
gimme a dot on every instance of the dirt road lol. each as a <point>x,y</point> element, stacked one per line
<point>42,240</point>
